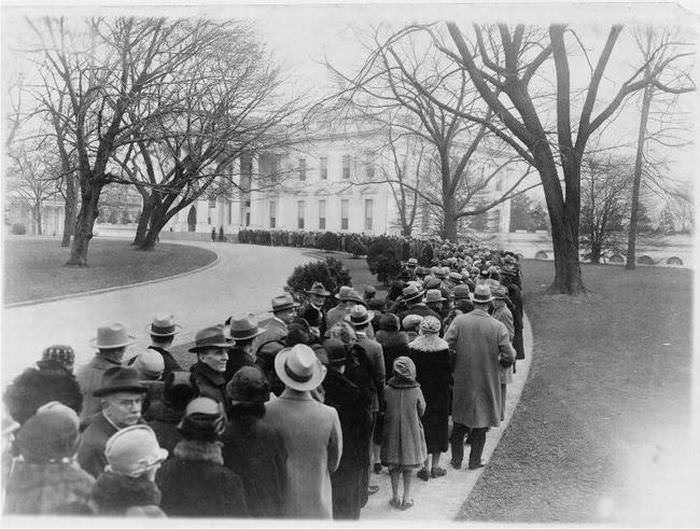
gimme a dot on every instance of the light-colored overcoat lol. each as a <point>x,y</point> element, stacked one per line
<point>477,339</point>
<point>314,442</point>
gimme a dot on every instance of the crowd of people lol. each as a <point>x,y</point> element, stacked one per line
<point>289,417</point>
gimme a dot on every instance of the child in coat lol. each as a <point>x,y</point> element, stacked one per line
<point>403,440</point>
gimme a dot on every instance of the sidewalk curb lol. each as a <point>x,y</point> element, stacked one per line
<point>29,303</point>
<point>441,500</point>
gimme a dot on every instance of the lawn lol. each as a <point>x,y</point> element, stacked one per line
<point>602,425</point>
<point>33,268</point>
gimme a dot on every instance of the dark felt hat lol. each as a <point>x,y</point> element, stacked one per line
<point>120,379</point>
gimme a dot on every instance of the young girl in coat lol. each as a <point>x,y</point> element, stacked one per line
<point>403,442</point>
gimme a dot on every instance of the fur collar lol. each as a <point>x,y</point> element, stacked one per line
<point>114,493</point>
<point>428,343</point>
<point>240,409</point>
<point>199,451</point>
<point>402,383</point>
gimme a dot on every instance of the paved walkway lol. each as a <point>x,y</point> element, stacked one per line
<point>246,278</point>
<point>439,500</point>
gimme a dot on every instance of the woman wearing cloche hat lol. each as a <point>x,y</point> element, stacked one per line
<point>253,448</point>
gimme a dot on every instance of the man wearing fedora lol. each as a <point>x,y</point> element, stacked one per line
<point>360,319</point>
<point>163,330</point>
<point>311,433</point>
<point>481,346</point>
<point>208,373</point>
<point>272,341</point>
<point>111,342</point>
<point>413,298</point>
<point>121,396</point>
<point>348,298</point>
<point>314,311</point>
<point>435,301</point>
<point>243,329</point>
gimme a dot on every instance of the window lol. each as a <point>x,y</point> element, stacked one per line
<point>273,214</point>
<point>324,168</point>
<point>344,205</point>
<point>302,168</point>
<point>321,214</point>
<point>369,206</point>
<point>300,215</point>
<point>369,167</point>
<point>346,166</point>
<point>230,208</point>
<point>212,203</point>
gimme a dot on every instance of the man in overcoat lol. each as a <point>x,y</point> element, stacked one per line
<point>480,344</point>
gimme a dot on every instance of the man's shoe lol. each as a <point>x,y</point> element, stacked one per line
<point>455,465</point>
<point>423,474</point>
<point>372,489</point>
<point>437,472</point>
<point>475,466</point>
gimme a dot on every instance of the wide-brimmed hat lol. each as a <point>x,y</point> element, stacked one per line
<point>359,315</point>
<point>499,292</point>
<point>455,277</point>
<point>433,296</point>
<point>431,282</point>
<point>343,292</point>
<point>442,272</point>
<point>120,379</point>
<point>283,302</point>
<point>411,292</point>
<point>131,451</point>
<point>461,292</point>
<point>163,325</point>
<point>482,294</point>
<point>248,384</point>
<point>299,368</point>
<point>211,337</point>
<point>318,289</point>
<point>112,335</point>
<point>412,262</point>
<point>244,327</point>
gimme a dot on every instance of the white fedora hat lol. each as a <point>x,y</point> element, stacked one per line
<point>112,335</point>
<point>299,368</point>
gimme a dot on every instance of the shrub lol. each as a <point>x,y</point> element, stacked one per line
<point>329,241</point>
<point>330,272</point>
<point>355,247</point>
<point>19,229</point>
<point>384,259</point>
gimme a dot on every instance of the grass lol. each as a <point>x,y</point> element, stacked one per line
<point>34,268</point>
<point>606,404</point>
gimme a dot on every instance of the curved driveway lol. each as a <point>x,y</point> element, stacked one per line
<point>245,279</point>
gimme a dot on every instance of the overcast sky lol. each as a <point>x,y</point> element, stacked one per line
<point>301,36</point>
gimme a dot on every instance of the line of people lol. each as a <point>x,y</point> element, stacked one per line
<point>289,416</point>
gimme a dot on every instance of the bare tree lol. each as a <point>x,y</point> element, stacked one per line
<point>605,184</point>
<point>658,52</point>
<point>501,62</point>
<point>105,68</point>
<point>398,85</point>
<point>33,178</point>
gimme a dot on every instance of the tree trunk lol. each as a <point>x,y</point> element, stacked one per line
<point>596,248</point>
<point>141,229</point>
<point>84,224</point>
<point>37,218</point>
<point>151,237</point>
<point>70,208</point>
<point>637,180</point>
<point>449,222</point>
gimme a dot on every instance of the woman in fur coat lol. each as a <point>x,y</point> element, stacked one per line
<point>195,482</point>
<point>433,360</point>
